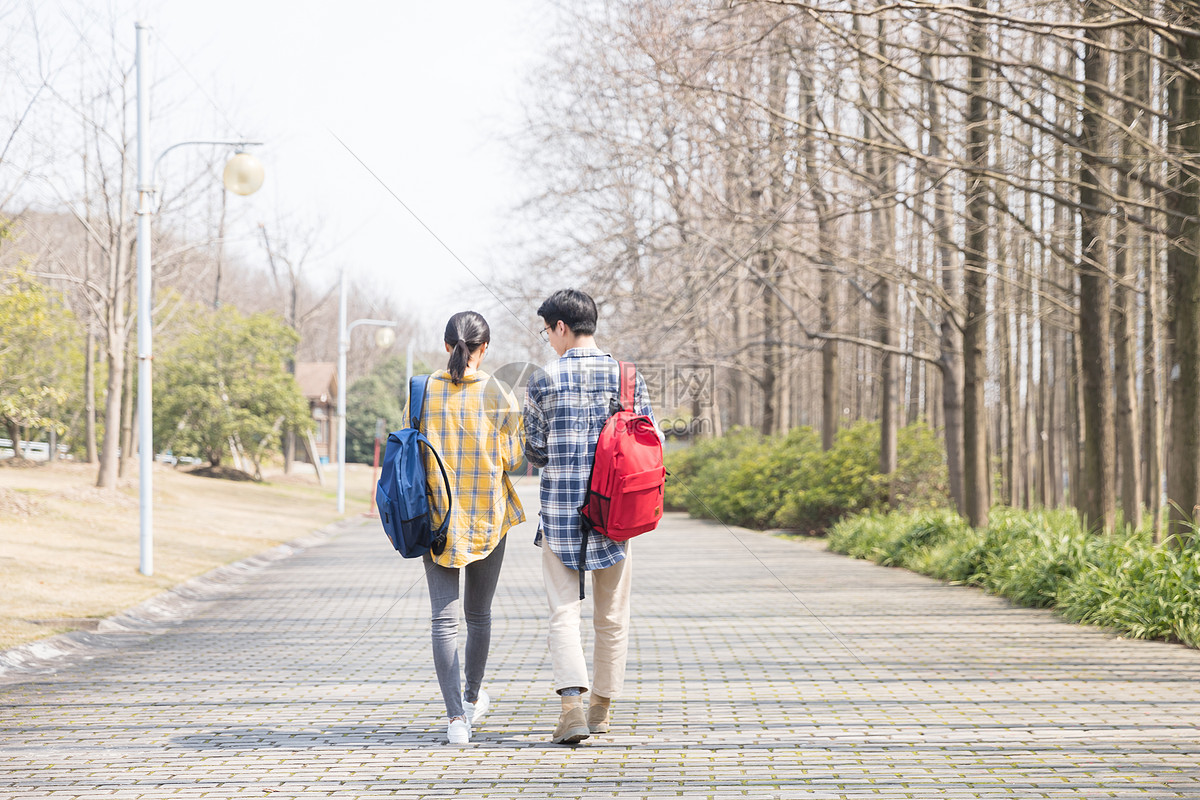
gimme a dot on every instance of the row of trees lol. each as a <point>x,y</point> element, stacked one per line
<point>68,225</point>
<point>978,214</point>
<point>222,382</point>
<point>223,378</point>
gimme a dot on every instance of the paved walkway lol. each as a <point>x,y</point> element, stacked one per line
<point>760,668</point>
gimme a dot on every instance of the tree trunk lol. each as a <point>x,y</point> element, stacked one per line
<point>770,371</point>
<point>975,434</point>
<point>887,394</point>
<point>883,251</point>
<point>737,380</point>
<point>115,341</point>
<point>915,370</point>
<point>89,395</point>
<point>1009,493</point>
<point>127,396</point>
<point>1152,418</point>
<point>1055,430</point>
<point>831,396</point>
<point>1183,294</point>
<point>829,299</point>
<point>1098,496</point>
<point>1073,420</point>
<point>771,201</point>
<point>950,329</point>
<point>109,454</point>
<point>1124,320</point>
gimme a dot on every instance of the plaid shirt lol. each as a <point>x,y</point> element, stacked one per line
<point>475,426</point>
<point>566,405</point>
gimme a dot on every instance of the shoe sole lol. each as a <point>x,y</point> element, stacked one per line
<point>601,728</point>
<point>572,737</point>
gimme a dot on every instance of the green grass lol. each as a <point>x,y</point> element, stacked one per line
<point>1044,559</point>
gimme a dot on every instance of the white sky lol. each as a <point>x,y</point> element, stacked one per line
<point>425,93</point>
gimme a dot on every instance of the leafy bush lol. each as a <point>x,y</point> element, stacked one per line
<point>926,531</point>
<point>1043,559</point>
<point>866,536</point>
<point>902,539</point>
<point>226,379</point>
<point>1032,555</point>
<point>1146,591</point>
<point>695,471</point>
<point>746,479</point>
<point>840,481</point>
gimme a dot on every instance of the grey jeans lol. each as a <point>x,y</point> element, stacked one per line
<point>443,583</point>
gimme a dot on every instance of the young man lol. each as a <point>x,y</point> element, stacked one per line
<point>566,406</point>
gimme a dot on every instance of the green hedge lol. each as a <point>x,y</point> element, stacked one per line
<point>747,479</point>
<point>1043,559</point>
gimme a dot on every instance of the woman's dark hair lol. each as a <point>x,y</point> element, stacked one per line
<point>573,307</point>
<point>466,332</point>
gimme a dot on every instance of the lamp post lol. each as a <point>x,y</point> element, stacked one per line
<point>243,175</point>
<point>383,338</point>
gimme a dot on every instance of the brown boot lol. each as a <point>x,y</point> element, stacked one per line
<point>572,724</point>
<point>599,710</point>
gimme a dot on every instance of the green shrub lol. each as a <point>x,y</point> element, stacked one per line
<point>920,540</point>
<point>746,479</point>
<point>1146,591</point>
<point>864,535</point>
<point>826,486</point>
<point>921,479</point>
<point>1032,555</point>
<point>697,471</point>
<point>958,559</point>
<point>920,535</point>
<point>1043,559</point>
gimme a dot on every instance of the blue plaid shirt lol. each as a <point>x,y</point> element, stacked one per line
<point>566,405</point>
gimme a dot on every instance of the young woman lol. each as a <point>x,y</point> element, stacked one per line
<point>474,422</point>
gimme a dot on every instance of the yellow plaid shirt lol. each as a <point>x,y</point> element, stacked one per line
<point>477,427</point>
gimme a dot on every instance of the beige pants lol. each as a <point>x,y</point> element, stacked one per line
<point>610,620</point>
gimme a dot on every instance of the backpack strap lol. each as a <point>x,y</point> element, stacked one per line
<point>584,529</point>
<point>628,373</point>
<point>439,536</point>
<point>416,400</point>
<point>416,409</point>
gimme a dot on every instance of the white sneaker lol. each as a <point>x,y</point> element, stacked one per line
<point>476,710</point>
<point>459,731</point>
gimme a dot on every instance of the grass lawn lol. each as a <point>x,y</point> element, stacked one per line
<point>69,551</point>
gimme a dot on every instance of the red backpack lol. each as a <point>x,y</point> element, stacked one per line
<point>625,490</point>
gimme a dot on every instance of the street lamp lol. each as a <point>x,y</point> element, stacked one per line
<point>243,175</point>
<point>383,338</point>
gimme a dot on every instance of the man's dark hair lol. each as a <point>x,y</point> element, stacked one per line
<point>575,308</point>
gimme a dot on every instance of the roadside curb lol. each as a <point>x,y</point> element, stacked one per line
<point>153,616</point>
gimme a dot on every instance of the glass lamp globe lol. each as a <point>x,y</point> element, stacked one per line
<point>384,338</point>
<point>243,174</point>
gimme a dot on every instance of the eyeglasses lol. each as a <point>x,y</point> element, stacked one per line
<point>545,334</point>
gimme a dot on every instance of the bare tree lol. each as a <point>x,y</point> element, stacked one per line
<point>1183,280</point>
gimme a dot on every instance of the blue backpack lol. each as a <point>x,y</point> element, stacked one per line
<point>403,496</point>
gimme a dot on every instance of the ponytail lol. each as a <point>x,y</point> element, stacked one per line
<point>466,332</point>
<point>458,360</point>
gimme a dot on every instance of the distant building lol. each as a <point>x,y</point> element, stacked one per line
<point>318,382</point>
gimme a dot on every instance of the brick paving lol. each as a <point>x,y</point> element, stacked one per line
<point>759,668</point>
